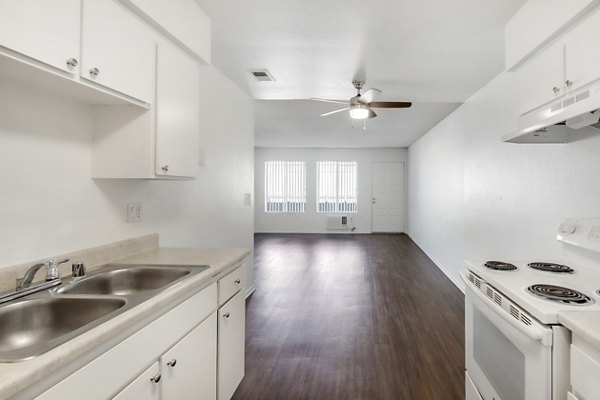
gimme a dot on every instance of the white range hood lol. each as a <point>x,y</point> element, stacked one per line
<point>562,121</point>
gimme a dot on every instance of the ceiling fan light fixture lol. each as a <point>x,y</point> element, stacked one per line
<point>359,111</point>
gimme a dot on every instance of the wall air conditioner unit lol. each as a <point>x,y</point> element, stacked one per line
<point>561,122</point>
<point>340,223</point>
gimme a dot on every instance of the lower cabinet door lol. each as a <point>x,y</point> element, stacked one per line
<point>232,327</point>
<point>144,387</point>
<point>189,369</point>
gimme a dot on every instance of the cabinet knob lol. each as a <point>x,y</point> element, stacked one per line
<point>555,89</point>
<point>172,363</point>
<point>165,168</point>
<point>237,281</point>
<point>155,378</point>
<point>72,62</point>
<point>94,71</point>
<point>568,83</point>
<point>226,315</point>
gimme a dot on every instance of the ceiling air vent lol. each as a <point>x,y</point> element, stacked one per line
<point>262,75</point>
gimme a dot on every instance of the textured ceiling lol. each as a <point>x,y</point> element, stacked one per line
<point>434,53</point>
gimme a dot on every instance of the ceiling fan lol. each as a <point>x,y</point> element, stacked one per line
<point>361,106</point>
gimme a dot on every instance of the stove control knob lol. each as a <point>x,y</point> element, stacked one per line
<point>567,228</point>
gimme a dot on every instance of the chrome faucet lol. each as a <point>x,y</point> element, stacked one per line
<point>51,275</point>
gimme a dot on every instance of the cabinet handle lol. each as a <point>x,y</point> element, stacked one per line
<point>165,168</point>
<point>72,62</point>
<point>237,281</point>
<point>94,71</point>
<point>172,363</point>
<point>155,378</point>
<point>569,83</point>
<point>226,315</point>
<point>555,89</point>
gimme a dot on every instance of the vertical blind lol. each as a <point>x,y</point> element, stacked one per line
<point>285,186</point>
<point>336,186</point>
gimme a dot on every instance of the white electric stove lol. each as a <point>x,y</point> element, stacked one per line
<point>515,347</point>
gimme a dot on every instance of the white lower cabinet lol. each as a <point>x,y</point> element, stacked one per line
<point>232,327</point>
<point>121,364</point>
<point>187,371</point>
<point>195,351</point>
<point>146,386</point>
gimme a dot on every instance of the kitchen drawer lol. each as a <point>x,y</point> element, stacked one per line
<point>230,284</point>
<point>584,374</point>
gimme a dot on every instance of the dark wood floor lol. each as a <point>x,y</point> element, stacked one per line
<point>351,317</point>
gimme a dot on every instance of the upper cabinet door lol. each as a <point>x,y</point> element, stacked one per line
<point>541,79</point>
<point>177,112</point>
<point>46,30</point>
<point>118,50</point>
<point>583,53</point>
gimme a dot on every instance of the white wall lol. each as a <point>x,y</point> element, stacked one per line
<point>311,221</point>
<point>472,196</point>
<point>50,205</point>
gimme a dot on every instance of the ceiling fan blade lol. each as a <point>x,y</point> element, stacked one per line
<point>329,101</point>
<point>334,112</point>
<point>369,96</point>
<point>372,114</point>
<point>390,104</point>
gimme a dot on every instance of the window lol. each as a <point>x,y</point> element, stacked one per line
<point>336,186</point>
<point>285,186</point>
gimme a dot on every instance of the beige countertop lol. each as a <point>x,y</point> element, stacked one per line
<point>585,324</point>
<point>15,377</point>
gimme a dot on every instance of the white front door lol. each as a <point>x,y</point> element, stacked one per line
<point>387,197</point>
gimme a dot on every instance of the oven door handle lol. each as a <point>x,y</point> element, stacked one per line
<point>534,331</point>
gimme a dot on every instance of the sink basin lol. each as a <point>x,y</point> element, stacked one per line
<point>31,327</point>
<point>125,281</point>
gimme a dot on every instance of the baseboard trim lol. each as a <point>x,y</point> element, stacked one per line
<point>457,282</point>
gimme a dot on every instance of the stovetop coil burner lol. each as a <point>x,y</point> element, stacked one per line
<point>550,267</point>
<point>560,294</point>
<point>500,266</point>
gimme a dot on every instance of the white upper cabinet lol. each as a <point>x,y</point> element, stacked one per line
<point>162,142</point>
<point>541,79</point>
<point>177,112</point>
<point>582,49</point>
<point>536,24</point>
<point>118,50</point>
<point>45,30</point>
<point>562,68</point>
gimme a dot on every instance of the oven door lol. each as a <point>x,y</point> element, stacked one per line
<point>508,353</point>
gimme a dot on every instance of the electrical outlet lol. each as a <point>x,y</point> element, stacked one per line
<point>134,212</point>
<point>247,199</point>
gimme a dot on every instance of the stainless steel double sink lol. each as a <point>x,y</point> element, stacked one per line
<point>39,322</point>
